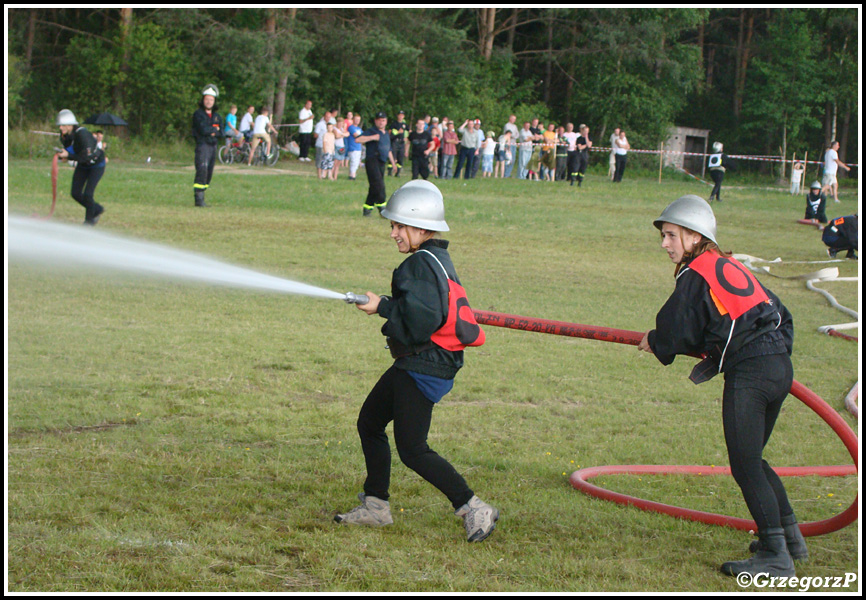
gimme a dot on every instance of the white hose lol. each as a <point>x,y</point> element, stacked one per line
<point>851,400</point>
<point>828,274</point>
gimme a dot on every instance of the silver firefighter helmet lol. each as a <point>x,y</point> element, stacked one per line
<point>210,90</point>
<point>691,212</point>
<point>418,203</point>
<point>66,117</point>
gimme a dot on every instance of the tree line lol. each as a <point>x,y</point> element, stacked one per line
<point>765,81</point>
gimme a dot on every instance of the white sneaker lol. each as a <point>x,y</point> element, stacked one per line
<point>372,511</point>
<point>479,519</point>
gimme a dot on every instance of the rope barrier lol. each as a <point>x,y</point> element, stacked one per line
<point>760,158</point>
<point>579,479</point>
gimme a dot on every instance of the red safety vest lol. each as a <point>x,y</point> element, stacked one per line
<point>460,328</point>
<point>732,286</point>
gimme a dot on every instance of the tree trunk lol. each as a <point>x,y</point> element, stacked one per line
<point>843,141</point>
<point>270,28</point>
<point>515,12</point>
<point>31,37</point>
<point>286,66</point>
<point>125,30</point>
<point>486,18</point>
<point>548,67</point>
<point>744,41</point>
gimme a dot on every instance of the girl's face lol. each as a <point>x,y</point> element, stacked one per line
<point>676,241</point>
<point>408,237</point>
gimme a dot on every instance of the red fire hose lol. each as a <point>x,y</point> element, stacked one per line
<point>54,170</point>
<point>579,478</point>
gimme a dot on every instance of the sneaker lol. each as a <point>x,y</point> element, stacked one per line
<point>372,511</point>
<point>479,519</point>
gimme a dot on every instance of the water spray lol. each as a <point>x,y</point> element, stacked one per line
<point>53,244</point>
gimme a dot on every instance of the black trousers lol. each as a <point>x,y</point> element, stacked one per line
<point>619,160</point>
<point>467,157</point>
<point>205,159</point>
<point>420,166</point>
<point>573,162</point>
<point>306,138</point>
<point>717,176</point>
<point>396,397</point>
<point>84,182</point>
<point>754,391</point>
<point>376,177</point>
<point>397,150</point>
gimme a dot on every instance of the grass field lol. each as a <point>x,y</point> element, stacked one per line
<point>164,436</point>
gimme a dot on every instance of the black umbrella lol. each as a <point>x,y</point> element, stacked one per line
<point>105,119</point>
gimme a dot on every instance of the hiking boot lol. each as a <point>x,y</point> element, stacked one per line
<point>479,519</point>
<point>772,558</point>
<point>368,212</point>
<point>793,539</point>
<point>372,511</point>
<point>831,252</point>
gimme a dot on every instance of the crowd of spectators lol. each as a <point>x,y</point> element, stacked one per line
<point>447,149</point>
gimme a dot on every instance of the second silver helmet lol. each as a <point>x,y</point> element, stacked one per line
<point>419,204</point>
<point>691,212</point>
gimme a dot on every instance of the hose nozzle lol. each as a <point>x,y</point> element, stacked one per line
<point>356,298</point>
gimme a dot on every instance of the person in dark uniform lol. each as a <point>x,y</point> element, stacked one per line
<point>79,145</point>
<point>421,145</point>
<point>718,163</point>
<point>842,234</point>
<point>816,204</point>
<point>378,146</point>
<point>426,334</point>
<point>398,130</point>
<point>207,129</point>
<point>583,143</point>
<point>719,310</point>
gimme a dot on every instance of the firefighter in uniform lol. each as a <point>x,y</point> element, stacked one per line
<point>717,164</point>
<point>207,129</point>
<point>79,145</point>
<point>720,311</point>
<point>427,329</point>
<point>398,131</point>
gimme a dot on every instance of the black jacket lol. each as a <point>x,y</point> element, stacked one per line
<point>418,307</point>
<point>206,129</point>
<point>690,323</point>
<point>83,147</point>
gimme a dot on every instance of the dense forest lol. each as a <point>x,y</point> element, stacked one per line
<point>765,80</point>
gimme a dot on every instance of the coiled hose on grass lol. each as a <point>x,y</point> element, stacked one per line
<point>579,479</point>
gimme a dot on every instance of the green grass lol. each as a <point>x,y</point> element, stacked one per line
<point>174,437</point>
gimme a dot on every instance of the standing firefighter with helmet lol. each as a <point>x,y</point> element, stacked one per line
<point>719,310</point>
<point>428,323</point>
<point>207,129</point>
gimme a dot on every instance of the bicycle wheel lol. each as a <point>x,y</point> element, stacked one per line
<point>225,155</point>
<point>272,158</point>
<point>259,156</point>
<point>243,153</point>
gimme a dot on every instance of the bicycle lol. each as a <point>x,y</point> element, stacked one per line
<point>235,153</point>
<point>261,156</point>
